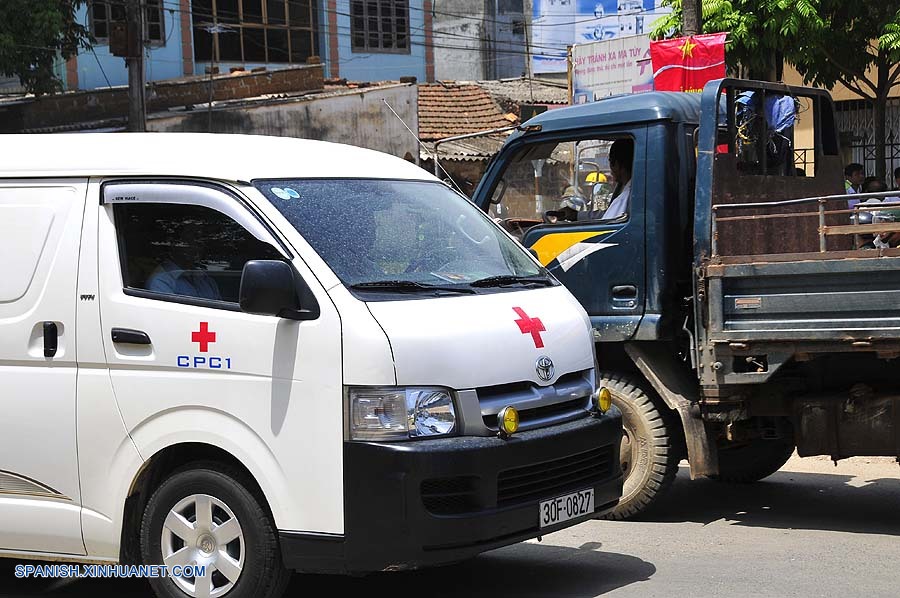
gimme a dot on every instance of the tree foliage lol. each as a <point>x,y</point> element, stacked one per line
<point>850,43</point>
<point>760,31</point>
<point>34,34</point>
<point>826,40</point>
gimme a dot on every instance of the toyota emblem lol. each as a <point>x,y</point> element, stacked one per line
<point>544,368</point>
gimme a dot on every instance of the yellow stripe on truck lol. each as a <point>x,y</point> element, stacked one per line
<point>549,247</point>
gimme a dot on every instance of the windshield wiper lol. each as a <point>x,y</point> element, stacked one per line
<point>406,286</point>
<point>508,279</point>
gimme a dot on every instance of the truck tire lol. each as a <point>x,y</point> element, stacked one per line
<point>207,514</point>
<point>648,454</point>
<point>753,461</point>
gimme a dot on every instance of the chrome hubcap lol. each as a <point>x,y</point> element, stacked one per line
<point>201,532</point>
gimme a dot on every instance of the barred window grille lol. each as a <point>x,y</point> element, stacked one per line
<point>856,121</point>
<point>254,31</point>
<point>103,13</point>
<point>379,26</point>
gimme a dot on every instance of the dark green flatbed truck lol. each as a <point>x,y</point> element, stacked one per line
<point>736,313</point>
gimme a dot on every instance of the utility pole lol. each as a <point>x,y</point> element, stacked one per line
<point>137,110</point>
<point>692,12</point>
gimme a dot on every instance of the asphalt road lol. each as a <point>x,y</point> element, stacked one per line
<point>812,529</point>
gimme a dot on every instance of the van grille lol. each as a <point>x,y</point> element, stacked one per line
<point>565,400</point>
<point>556,477</point>
<point>450,496</point>
<point>556,410</point>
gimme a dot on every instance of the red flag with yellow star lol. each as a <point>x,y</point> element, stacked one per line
<point>687,63</point>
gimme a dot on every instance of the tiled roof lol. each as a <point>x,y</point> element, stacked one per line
<point>447,110</point>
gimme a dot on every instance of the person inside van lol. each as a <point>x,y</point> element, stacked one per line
<point>177,274</point>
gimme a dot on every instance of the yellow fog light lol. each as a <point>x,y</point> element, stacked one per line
<point>508,421</point>
<point>603,400</point>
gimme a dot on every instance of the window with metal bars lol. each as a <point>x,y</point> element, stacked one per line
<point>254,31</point>
<point>379,26</point>
<point>103,13</point>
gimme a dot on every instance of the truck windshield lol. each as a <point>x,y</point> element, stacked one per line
<point>401,236</point>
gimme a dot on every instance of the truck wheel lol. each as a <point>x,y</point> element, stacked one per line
<point>648,454</point>
<point>206,515</point>
<point>753,461</point>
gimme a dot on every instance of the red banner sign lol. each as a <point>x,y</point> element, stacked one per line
<point>687,63</point>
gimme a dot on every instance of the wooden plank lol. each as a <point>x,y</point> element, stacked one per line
<point>863,229</point>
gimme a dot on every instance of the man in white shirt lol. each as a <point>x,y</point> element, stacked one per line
<point>621,155</point>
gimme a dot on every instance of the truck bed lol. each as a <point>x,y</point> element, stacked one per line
<point>847,297</point>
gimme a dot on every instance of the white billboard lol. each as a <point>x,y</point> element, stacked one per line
<point>602,69</point>
<point>558,24</point>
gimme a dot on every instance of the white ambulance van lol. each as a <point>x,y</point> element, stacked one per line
<point>237,356</point>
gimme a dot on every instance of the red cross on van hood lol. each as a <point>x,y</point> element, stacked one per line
<point>483,340</point>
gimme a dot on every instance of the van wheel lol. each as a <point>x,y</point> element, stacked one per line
<point>753,461</point>
<point>648,453</point>
<point>204,515</point>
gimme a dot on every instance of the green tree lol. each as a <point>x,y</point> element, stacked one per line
<point>761,32</point>
<point>853,42</point>
<point>856,44</point>
<point>33,35</point>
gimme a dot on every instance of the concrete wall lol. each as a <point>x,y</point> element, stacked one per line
<point>354,117</point>
<point>509,36</point>
<point>459,53</point>
<point>98,68</point>
<point>379,66</point>
<point>108,104</point>
<point>479,39</point>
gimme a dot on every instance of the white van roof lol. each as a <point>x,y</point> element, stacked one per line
<point>204,155</point>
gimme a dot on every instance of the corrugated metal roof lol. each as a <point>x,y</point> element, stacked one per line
<point>477,149</point>
<point>447,110</point>
<point>527,91</point>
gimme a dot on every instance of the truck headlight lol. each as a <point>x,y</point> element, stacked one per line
<point>385,414</point>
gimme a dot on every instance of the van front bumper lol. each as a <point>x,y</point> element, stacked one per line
<point>430,502</point>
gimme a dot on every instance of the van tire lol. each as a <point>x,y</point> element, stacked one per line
<point>753,461</point>
<point>262,575</point>
<point>648,455</point>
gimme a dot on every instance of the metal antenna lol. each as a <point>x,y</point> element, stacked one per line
<point>425,147</point>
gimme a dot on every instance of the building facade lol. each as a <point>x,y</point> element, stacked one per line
<point>363,40</point>
<point>479,39</point>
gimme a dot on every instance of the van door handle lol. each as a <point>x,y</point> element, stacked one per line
<point>625,291</point>
<point>131,337</point>
<point>51,339</point>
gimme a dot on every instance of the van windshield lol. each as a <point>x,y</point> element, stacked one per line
<point>402,236</point>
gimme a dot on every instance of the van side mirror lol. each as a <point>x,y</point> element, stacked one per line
<point>268,288</point>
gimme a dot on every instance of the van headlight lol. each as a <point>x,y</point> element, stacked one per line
<point>384,414</point>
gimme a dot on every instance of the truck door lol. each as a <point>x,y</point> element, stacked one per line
<point>561,199</point>
<point>40,501</point>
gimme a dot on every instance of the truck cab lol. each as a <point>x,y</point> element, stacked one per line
<point>736,313</point>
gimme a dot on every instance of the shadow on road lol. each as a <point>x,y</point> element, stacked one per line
<point>520,570</point>
<point>787,500</point>
<point>523,570</point>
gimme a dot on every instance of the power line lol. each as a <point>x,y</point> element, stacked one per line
<point>508,52</point>
<point>314,28</point>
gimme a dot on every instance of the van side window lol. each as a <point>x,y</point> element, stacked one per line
<point>185,250</point>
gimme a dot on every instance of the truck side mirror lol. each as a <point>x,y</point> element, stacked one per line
<point>268,288</point>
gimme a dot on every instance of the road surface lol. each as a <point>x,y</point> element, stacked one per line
<point>812,529</point>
